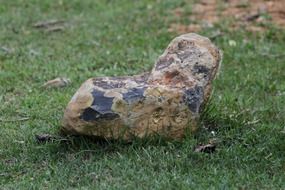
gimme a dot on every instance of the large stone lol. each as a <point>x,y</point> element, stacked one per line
<point>167,101</point>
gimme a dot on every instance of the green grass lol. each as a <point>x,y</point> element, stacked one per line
<point>125,37</point>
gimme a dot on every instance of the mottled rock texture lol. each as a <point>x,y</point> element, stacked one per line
<point>165,101</point>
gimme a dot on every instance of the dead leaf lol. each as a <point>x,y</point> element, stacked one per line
<point>57,83</point>
<point>208,148</point>
<point>44,138</point>
<point>251,17</point>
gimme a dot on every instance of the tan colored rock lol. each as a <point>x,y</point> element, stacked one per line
<point>167,101</point>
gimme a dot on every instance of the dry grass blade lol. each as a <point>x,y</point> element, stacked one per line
<point>55,29</point>
<point>14,120</point>
<point>49,23</point>
<point>6,50</point>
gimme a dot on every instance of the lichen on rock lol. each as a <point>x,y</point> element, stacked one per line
<point>165,101</point>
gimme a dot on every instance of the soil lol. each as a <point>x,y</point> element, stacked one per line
<point>252,15</point>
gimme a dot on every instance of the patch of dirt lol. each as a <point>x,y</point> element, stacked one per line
<point>252,15</point>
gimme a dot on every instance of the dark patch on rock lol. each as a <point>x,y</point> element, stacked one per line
<point>200,69</point>
<point>193,97</point>
<point>101,108</point>
<point>101,103</point>
<point>90,114</point>
<point>134,94</point>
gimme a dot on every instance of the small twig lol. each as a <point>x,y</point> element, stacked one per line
<point>273,55</point>
<point>6,50</point>
<point>49,23</point>
<point>42,138</point>
<point>14,120</point>
<point>55,29</point>
<point>269,155</point>
<point>253,122</point>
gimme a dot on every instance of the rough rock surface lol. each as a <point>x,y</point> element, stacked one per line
<point>166,101</point>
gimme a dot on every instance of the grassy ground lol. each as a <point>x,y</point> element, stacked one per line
<point>125,37</point>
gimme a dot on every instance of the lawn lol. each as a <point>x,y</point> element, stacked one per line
<point>112,38</point>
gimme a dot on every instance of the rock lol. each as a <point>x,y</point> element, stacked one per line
<point>166,101</point>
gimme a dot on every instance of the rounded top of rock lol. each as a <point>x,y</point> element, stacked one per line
<point>189,59</point>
